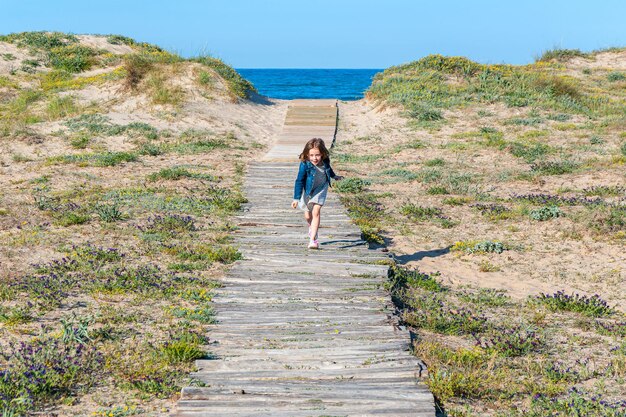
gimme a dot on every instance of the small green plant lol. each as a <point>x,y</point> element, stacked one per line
<point>15,316</point>
<point>80,141</point>
<point>176,173</point>
<point>590,306</point>
<point>401,173</point>
<point>352,185</point>
<point>163,92</point>
<point>456,201</point>
<point>424,113</point>
<point>401,277</point>
<point>437,190</point>
<point>546,213</point>
<point>181,351</point>
<point>237,85</point>
<point>437,162</point>
<point>106,159</point>
<point>76,330</point>
<point>169,224</point>
<point>70,218</point>
<point>203,314</point>
<point>43,370</point>
<point>205,78</point>
<point>575,403</point>
<point>529,152</point>
<point>479,247</point>
<point>559,54</point>
<point>429,311</point>
<point>109,213</point>
<point>60,107</point>
<point>616,76</point>
<point>418,213</point>
<point>596,140</point>
<point>486,266</point>
<point>511,341</point>
<point>486,297</point>
<point>553,167</point>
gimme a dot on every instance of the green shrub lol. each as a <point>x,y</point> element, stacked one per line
<point>366,212</point>
<point>150,149</point>
<point>437,162</point>
<point>561,55</point>
<point>237,85</point>
<point>424,113</point>
<point>572,405</point>
<point>176,173</point>
<point>485,296</point>
<point>180,351</point>
<point>80,141</point>
<point>438,190</point>
<point>169,224</point>
<point>417,213</point>
<point>401,277</point>
<point>400,173</point>
<point>59,107</point>
<point>14,316</point>
<point>203,314</point>
<point>553,167</point>
<point>105,159</point>
<point>72,58</point>
<point>429,311</point>
<point>456,201</point>
<point>109,213</point>
<point>351,185</point>
<point>70,218</point>
<point>479,247</point>
<point>590,306</point>
<point>142,279</point>
<point>609,219</point>
<point>546,213</point>
<point>511,341</point>
<point>616,76</point>
<point>45,369</point>
<point>40,40</point>
<point>596,140</point>
<point>529,152</point>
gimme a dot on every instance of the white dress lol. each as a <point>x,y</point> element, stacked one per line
<point>318,191</point>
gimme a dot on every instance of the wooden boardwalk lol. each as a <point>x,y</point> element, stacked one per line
<point>303,332</point>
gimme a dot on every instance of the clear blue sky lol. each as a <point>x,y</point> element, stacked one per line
<point>335,33</point>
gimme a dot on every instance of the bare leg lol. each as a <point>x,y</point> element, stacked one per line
<point>315,221</point>
<point>308,217</point>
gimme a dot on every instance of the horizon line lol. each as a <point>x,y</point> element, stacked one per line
<point>306,68</point>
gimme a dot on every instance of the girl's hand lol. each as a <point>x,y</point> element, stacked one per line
<point>294,204</point>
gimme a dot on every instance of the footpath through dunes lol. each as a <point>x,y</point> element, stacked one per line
<point>304,332</point>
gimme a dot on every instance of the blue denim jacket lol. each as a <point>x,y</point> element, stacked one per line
<point>306,175</point>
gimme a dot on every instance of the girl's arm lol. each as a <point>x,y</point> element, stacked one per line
<point>298,186</point>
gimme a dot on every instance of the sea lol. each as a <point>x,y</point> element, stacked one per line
<point>289,84</point>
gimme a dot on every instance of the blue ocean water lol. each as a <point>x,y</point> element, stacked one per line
<point>342,84</point>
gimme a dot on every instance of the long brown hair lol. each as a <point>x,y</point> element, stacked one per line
<point>314,143</point>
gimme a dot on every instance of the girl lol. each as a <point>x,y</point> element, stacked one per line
<point>312,183</point>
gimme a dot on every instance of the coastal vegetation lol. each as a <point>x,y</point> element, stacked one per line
<point>491,183</point>
<point>115,220</point>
